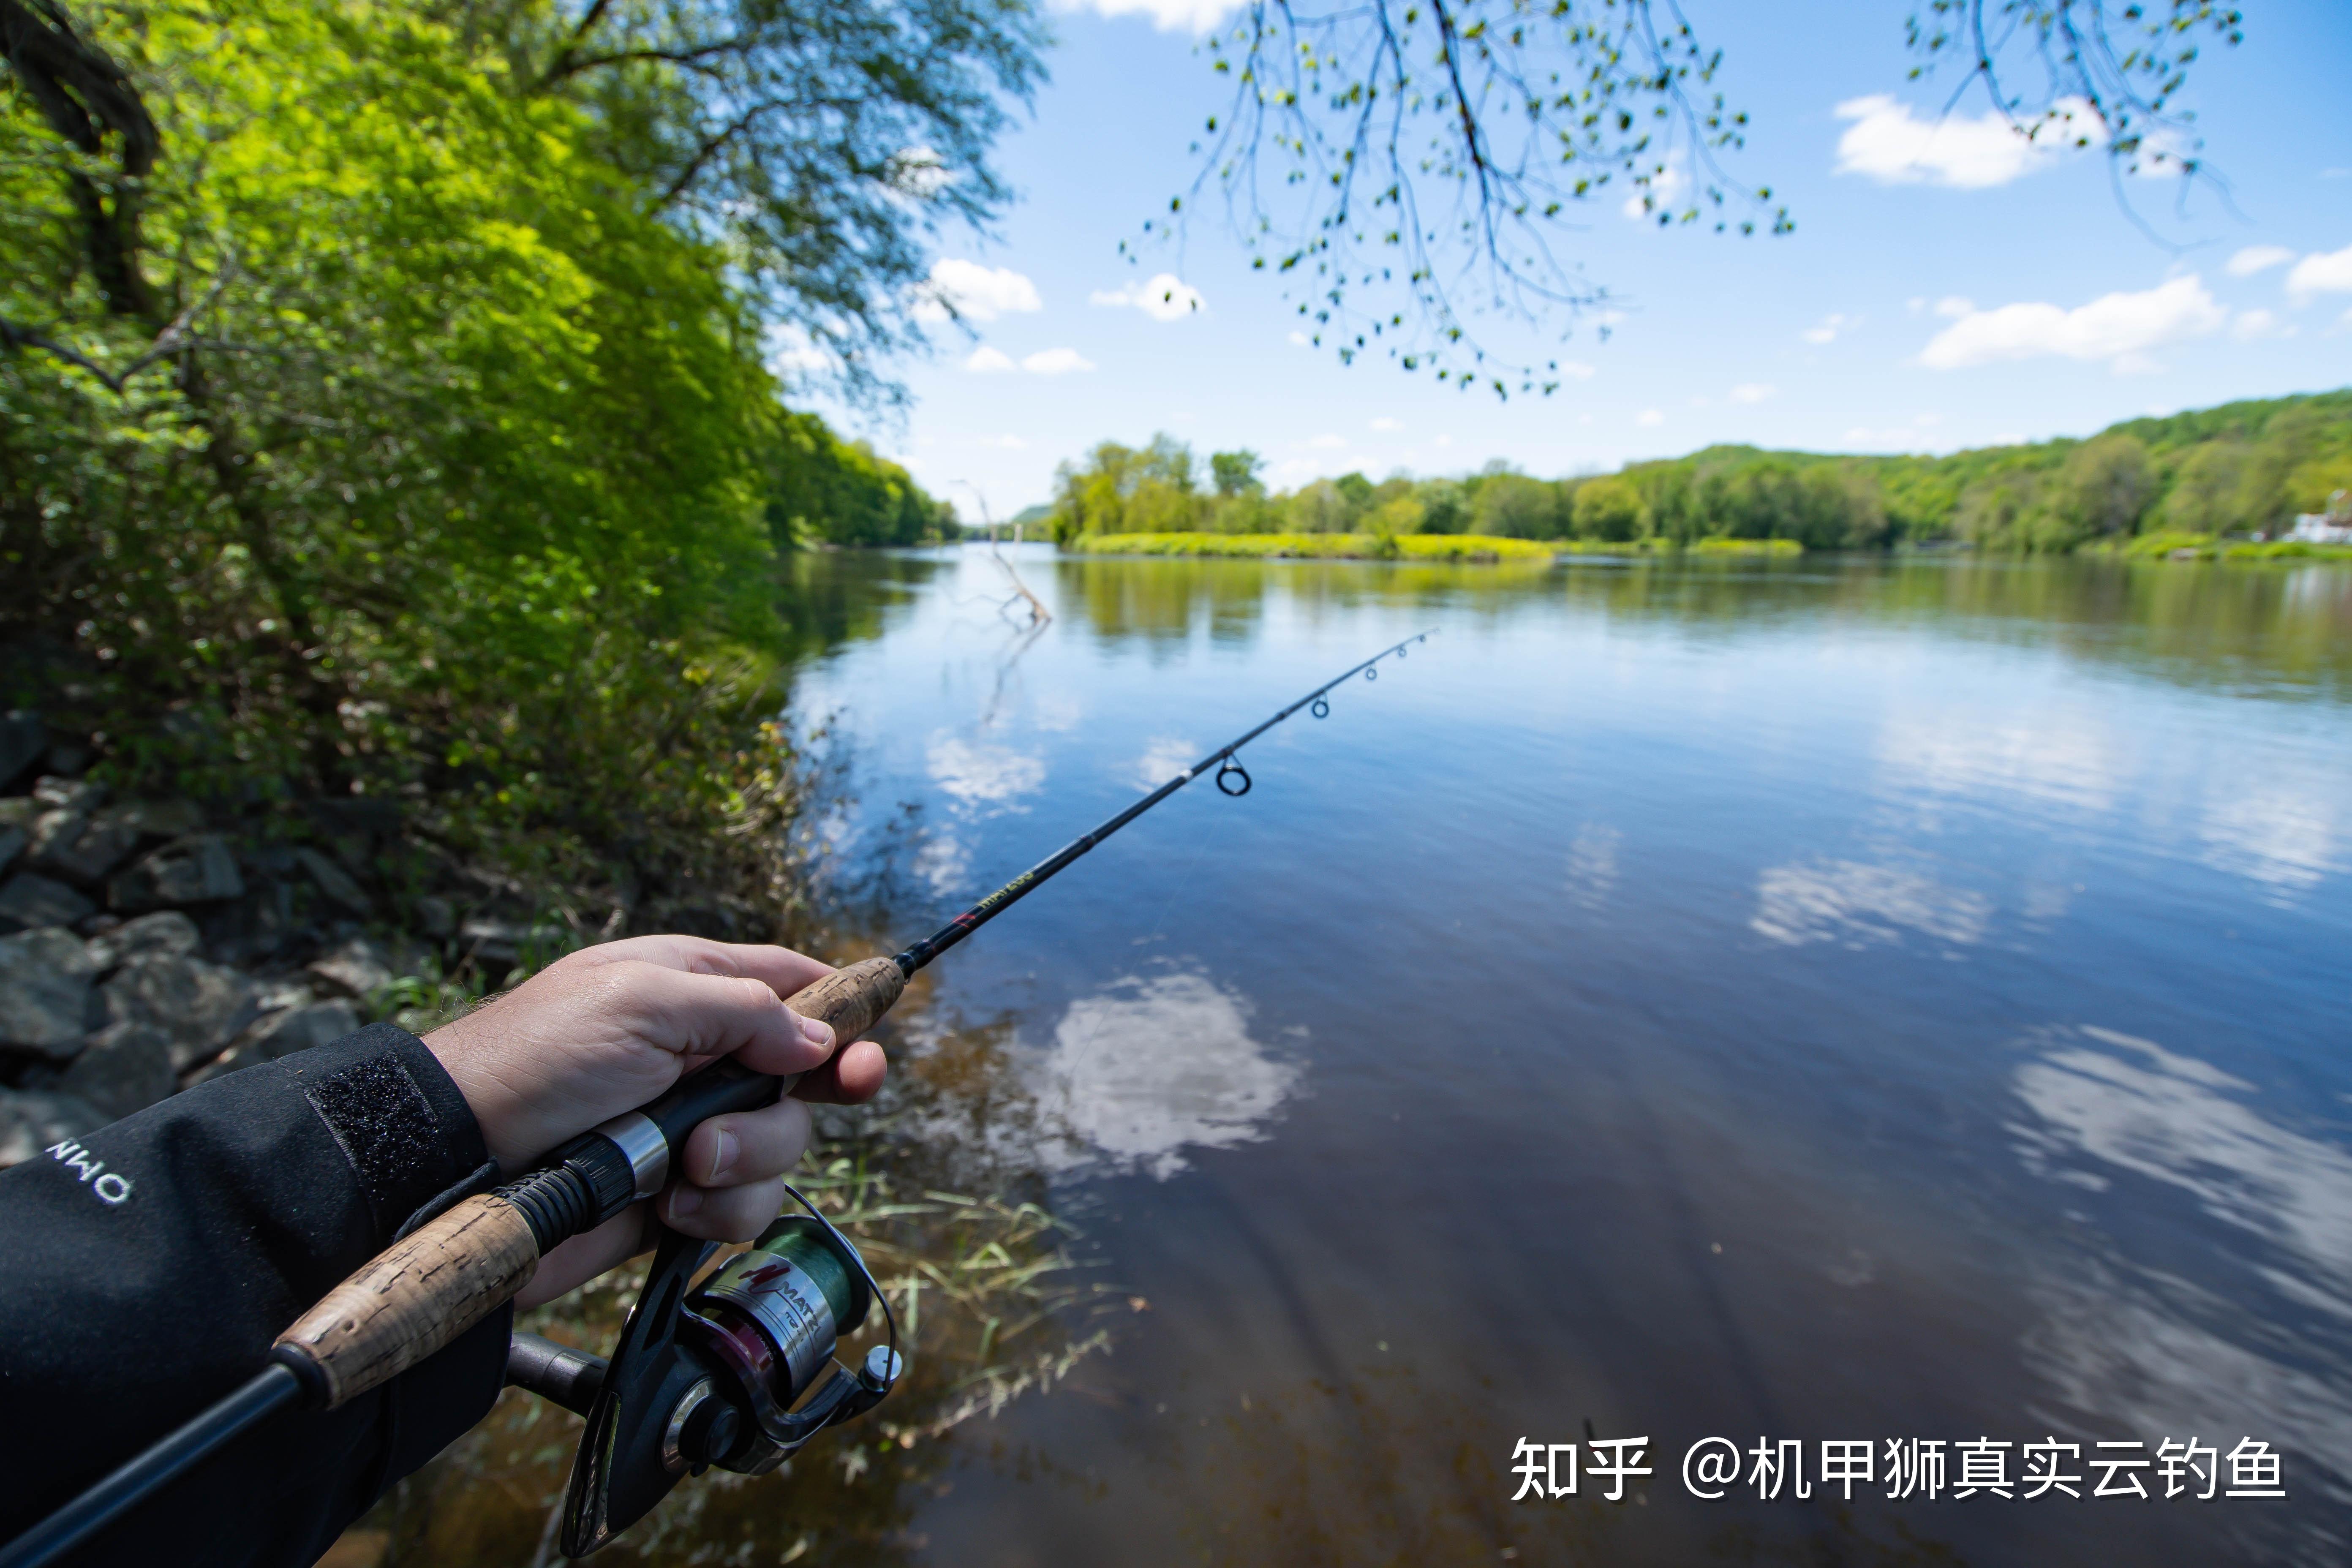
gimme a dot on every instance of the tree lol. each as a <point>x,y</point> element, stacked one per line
<point>1237,473</point>
<point>1128,490</point>
<point>1608,509</point>
<point>2102,489</point>
<point>1407,165</point>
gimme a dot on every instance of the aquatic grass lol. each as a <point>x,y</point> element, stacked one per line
<point>991,1308</point>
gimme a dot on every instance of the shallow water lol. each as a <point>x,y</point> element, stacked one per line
<point>1866,1000</point>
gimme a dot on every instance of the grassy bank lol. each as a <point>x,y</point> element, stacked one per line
<point>2174,545</point>
<point>1476,547</point>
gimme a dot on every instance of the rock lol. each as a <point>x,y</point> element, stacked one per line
<point>283,1034</point>
<point>157,819</point>
<point>196,869</point>
<point>70,795</point>
<point>45,978</point>
<point>357,968</point>
<point>342,891</point>
<point>31,1121</point>
<point>167,931</point>
<point>199,1006</point>
<point>245,930</point>
<point>125,1068</point>
<point>69,758</point>
<point>12,844</point>
<point>503,941</point>
<point>283,992</point>
<point>22,741</point>
<point>82,848</point>
<point>21,811</point>
<point>435,918</point>
<point>30,901</point>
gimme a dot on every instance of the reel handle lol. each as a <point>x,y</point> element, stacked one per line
<point>452,1271</point>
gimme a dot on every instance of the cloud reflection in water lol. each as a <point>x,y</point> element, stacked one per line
<point>1859,905</point>
<point>1145,1069</point>
<point>2136,1343</point>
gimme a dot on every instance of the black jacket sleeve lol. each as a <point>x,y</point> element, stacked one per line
<point>146,1270</point>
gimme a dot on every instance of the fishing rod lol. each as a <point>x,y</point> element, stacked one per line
<point>725,1372</point>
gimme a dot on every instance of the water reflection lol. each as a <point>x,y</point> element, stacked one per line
<point>976,772</point>
<point>2265,630</point>
<point>2278,831</point>
<point>2128,1336</point>
<point>1592,865</point>
<point>1148,1069</point>
<point>1858,905</point>
<point>2066,760</point>
<point>1162,759</point>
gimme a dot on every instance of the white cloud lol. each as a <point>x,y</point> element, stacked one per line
<point>1163,298</point>
<point>2255,258</point>
<point>2317,274</point>
<point>1579,369</point>
<point>1327,442</point>
<point>2254,325</point>
<point>1194,17</point>
<point>1007,443</point>
<point>1955,305</point>
<point>1893,145</point>
<point>985,359</point>
<point>973,292</point>
<point>790,350</point>
<point>1055,362</point>
<point>2118,328</point>
<point>1830,326</point>
<point>1752,392</point>
<point>1649,416</point>
<point>919,173</point>
<point>1387,425</point>
<point>1299,340</point>
<point>1665,189</point>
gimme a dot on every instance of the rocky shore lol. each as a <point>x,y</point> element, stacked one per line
<point>154,944</point>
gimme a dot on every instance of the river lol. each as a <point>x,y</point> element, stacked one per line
<point>1832,1001</point>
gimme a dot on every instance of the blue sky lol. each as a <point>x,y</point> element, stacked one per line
<point>1941,289</point>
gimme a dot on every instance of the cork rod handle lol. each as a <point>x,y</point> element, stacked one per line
<point>425,1289</point>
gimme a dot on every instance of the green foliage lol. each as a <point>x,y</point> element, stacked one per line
<point>1237,473</point>
<point>423,459</point>
<point>2246,468</point>
<point>821,488</point>
<point>1318,546</point>
<point>1128,490</point>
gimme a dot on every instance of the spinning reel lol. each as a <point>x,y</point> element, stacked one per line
<point>736,1372</point>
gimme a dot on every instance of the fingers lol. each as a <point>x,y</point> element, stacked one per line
<point>850,1077</point>
<point>699,1014</point>
<point>780,969</point>
<point>745,1146</point>
<point>723,1214</point>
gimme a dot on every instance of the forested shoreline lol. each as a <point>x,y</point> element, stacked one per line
<point>2181,481</point>
<point>390,407</point>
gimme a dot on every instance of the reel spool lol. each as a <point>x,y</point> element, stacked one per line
<point>737,1372</point>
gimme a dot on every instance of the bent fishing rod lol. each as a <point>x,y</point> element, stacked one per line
<point>725,1372</point>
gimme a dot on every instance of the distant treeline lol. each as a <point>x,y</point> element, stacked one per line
<point>821,488</point>
<point>2242,469</point>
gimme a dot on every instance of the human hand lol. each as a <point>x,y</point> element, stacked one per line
<point>608,1029</point>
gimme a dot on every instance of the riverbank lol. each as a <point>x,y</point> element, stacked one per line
<point>2179,546</point>
<point>1492,549</point>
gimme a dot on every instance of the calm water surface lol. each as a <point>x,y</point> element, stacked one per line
<point>1852,1001</point>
